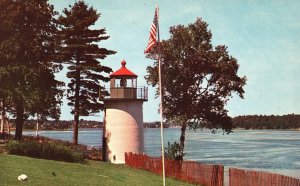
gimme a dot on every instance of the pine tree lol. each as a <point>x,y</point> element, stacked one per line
<point>81,53</point>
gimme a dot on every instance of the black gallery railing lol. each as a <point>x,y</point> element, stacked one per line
<point>127,93</point>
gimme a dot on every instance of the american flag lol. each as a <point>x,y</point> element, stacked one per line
<point>153,32</point>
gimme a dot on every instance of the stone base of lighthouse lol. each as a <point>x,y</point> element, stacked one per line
<point>124,131</point>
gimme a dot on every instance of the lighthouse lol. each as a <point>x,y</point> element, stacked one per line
<point>123,129</point>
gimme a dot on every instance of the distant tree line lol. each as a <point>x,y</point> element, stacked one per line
<point>156,124</point>
<point>61,124</point>
<point>290,121</point>
<point>68,124</point>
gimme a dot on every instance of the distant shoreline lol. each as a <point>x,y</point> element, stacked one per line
<point>246,122</point>
<point>70,129</point>
<point>292,129</point>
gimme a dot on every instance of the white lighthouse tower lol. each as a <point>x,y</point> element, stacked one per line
<point>123,129</point>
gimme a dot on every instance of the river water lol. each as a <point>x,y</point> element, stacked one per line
<point>268,150</point>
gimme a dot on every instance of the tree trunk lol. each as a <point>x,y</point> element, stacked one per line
<point>182,137</point>
<point>104,138</point>
<point>76,109</point>
<point>2,117</point>
<point>19,121</point>
<point>37,126</point>
<point>75,125</point>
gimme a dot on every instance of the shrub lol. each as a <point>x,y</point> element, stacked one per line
<point>51,151</point>
<point>174,152</point>
<point>13,147</point>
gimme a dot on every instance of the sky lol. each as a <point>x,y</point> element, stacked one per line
<point>264,36</point>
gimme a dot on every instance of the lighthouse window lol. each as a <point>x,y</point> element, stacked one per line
<point>123,82</point>
<point>129,83</point>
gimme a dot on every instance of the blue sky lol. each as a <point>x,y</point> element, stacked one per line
<point>263,35</point>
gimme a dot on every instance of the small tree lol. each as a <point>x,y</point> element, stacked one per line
<point>197,79</point>
<point>81,52</point>
<point>45,101</point>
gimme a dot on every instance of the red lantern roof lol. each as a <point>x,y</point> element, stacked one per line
<point>123,71</point>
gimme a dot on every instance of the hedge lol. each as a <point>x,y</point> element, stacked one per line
<point>51,151</point>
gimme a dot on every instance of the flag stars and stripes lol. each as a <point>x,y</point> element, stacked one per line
<point>153,33</point>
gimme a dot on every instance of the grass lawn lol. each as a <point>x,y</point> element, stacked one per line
<point>40,171</point>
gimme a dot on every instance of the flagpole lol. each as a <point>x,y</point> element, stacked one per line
<point>161,124</point>
<point>154,31</point>
<point>161,106</point>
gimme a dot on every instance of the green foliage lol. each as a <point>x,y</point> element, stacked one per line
<point>12,147</point>
<point>200,79</point>
<point>174,152</point>
<point>197,78</point>
<point>51,151</point>
<point>290,121</point>
<point>80,50</point>
<point>27,50</point>
<point>82,53</point>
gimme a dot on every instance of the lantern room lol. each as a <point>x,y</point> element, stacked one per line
<point>123,85</point>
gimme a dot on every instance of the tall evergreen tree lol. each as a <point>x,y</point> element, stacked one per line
<point>81,52</point>
<point>27,49</point>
